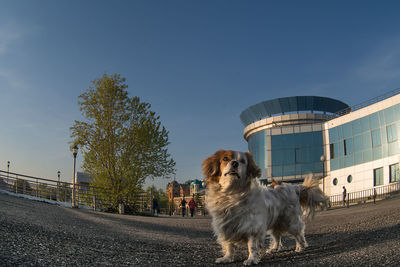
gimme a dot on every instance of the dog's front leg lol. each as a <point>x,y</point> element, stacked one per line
<point>227,249</point>
<point>252,245</point>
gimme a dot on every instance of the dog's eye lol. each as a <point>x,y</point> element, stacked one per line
<point>225,159</point>
<point>243,161</point>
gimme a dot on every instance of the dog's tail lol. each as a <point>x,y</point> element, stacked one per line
<point>311,196</point>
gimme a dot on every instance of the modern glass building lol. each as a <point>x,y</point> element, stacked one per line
<point>356,147</point>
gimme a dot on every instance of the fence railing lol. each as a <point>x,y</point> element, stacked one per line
<point>372,194</point>
<point>85,195</point>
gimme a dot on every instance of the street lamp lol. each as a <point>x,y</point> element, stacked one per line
<point>58,186</point>
<point>74,152</point>
<point>323,159</point>
<point>8,171</point>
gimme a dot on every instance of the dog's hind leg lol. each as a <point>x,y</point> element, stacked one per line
<point>252,245</point>
<point>276,244</point>
<point>227,249</point>
<point>301,242</point>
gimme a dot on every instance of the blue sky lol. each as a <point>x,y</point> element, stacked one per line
<point>199,63</point>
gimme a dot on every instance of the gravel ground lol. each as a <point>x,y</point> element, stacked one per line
<point>39,234</point>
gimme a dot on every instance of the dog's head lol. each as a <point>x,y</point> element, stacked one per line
<point>230,168</point>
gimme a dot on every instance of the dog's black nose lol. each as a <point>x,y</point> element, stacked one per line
<point>235,164</point>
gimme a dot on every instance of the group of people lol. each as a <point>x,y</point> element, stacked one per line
<point>191,204</point>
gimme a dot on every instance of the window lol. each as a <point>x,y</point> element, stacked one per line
<point>391,133</point>
<point>349,179</point>
<point>332,151</point>
<point>335,181</point>
<point>378,176</point>
<point>376,138</point>
<point>394,173</point>
<point>348,146</point>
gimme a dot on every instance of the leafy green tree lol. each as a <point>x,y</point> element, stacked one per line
<point>122,140</point>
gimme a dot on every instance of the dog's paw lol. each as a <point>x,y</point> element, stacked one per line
<point>251,261</point>
<point>273,250</point>
<point>224,260</point>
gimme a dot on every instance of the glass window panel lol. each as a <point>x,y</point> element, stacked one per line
<point>276,142</point>
<point>288,156</point>
<point>389,115</point>
<point>288,170</point>
<point>365,124</point>
<point>367,156</point>
<point>367,144</point>
<point>357,127</point>
<point>276,157</point>
<point>391,132</point>
<point>318,167</point>
<point>317,138</point>
<point>357,144</point>
<point>348,161</point>
<point>341,149</point>
<point>396,111</point>
<point>307,168</point>
<point>287,141</point>
<point>347,130</point>
<point>317,152</point>
<point>376,138</point>
<point>376,153</point>
<point>348,146</point>
<point>332,151</point>
<point>394,173</point>
<point>333,135</point>
<point>393,149</point>
<point>381,117</point>
<point>334,164</point>
<point>277,171</point>
<point>374,121</point>
<point>358,158</point>
<point>378,176</point>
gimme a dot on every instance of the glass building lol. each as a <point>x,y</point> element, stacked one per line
<point>356,147</point>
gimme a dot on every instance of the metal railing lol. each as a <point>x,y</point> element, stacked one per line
<point>86,196</point>
<point>364,196</point>
<point>368,102</point>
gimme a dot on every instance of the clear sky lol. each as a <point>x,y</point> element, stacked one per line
<point>199,63</point>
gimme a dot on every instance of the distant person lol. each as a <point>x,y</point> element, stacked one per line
<point>183,205</point>
<point>344,196</point>
<point>192,206</point>
<point>156,208</point>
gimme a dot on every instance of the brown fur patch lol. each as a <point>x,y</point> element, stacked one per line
<point>212,165</point>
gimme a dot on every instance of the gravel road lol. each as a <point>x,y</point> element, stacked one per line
<point>39,234</point>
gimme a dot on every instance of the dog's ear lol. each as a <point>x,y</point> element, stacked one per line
<point>211,168</point>
<point>252,169</point>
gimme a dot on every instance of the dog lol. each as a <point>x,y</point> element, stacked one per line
<point>244,211</point>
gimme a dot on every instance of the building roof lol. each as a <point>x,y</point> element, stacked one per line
<point>279,106</point>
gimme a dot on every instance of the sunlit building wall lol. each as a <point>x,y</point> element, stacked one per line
<point>357,148</point>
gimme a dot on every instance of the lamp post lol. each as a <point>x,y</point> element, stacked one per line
<point>58,186</point>
<point>74,152</point>
<point>8,171</point>
<point>323,159</point>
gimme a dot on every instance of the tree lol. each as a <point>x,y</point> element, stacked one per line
<point>122,140</point>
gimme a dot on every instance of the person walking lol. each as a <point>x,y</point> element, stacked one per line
<point>344,196</point>
<point>183,206</point>
<point>156,208</point>
<point>192,206</point>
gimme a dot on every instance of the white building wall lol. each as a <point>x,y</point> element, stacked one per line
<point>363,174</point>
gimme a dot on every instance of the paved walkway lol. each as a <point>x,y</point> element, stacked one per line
<point>39,234</point>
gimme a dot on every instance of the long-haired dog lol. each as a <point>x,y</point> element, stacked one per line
<point>244,211</point>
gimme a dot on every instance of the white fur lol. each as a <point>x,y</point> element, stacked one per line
<point>244,211</point>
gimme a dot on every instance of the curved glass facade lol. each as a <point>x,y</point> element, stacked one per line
<point>369,138</point>
<point>296,154</point>
<point>257,144</point>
